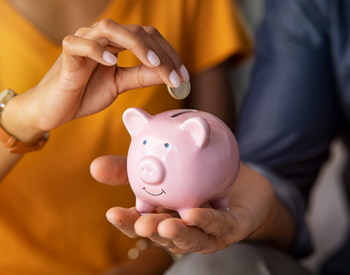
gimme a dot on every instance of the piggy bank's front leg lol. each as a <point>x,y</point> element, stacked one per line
<point>143,207</point>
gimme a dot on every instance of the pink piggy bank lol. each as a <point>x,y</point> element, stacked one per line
<point>180,159</point>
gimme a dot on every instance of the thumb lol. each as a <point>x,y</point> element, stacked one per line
<point>110,170</point>
<point>129,78</point>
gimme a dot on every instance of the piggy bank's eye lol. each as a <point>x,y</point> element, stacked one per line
<point>144,142</point>
<point>166,145</point>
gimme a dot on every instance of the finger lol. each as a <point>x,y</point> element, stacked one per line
<point>219,223</point>
<point>110,170</point>
<point>119,36</point>
<point>185,238</point>
<point>136,77</point>
<point>82,31</point>
<point>134,39</point>
<point>76,48</point>
<point>166,54</point>
<point>124,219</point>
<point>147,226</point>
<point>162,241</point>
<point>170,51</point>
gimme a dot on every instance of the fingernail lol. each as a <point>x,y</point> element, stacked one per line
<point>114,222</point>
<point>175,79</point>
<point>153,58</point>
<point>109,58</point>
<point>184,73</point>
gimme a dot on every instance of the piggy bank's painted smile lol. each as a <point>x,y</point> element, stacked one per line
<point>144,188</point>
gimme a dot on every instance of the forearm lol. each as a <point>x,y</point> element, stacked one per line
<point>254,204</point>
<point>211,92</point>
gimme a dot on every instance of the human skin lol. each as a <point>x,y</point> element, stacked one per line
<point>70,89</point>
<point>79,50</point>
<point>81,62</point>
<point>255,215</point>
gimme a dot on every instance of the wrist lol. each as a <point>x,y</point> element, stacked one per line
<point>16,122</point>
<point>278,228</point>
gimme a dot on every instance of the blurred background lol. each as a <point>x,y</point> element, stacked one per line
<point>327,215</point>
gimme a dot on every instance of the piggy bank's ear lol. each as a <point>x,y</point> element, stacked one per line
<point>199,128</point>
<point>134,118</point>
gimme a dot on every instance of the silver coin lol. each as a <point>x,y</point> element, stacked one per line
<point>182,92</point>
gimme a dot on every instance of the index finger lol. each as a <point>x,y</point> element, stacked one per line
<point>219,223</point>
<point>124,219</point>
<point>187,239</point>
<point>143,46</point>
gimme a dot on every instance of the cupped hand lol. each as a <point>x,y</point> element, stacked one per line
<point>202,230</point>
<point>86,78</point>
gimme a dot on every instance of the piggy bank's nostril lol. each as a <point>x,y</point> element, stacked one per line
<point>151,170</point>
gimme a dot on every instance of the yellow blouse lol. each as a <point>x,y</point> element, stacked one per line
<point>52,213</point>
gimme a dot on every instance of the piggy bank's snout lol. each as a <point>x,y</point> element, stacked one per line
<point>151,170</point>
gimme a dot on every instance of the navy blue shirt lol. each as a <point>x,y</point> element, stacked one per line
<point>299,98</point>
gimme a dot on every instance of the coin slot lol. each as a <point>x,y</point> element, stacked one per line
<point>181,113</point>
